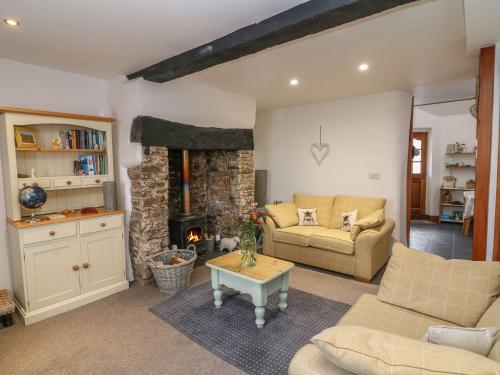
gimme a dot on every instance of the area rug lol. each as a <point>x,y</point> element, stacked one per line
<point>231,334</point>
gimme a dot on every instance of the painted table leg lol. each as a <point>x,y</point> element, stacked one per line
<point>217,289</point>
<point>259,315</point>
<point>259,299</point>
<point>283,292</point>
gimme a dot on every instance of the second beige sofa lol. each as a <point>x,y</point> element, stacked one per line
<point>326,246</point>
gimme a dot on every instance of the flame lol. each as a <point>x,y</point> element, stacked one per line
<point>193,237</point>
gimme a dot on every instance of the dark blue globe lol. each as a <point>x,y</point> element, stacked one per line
<point>32,197</point>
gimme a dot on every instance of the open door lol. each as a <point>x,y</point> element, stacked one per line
<point>418,175</point>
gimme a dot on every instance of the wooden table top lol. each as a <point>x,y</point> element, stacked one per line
<point>266,269</point>
<point>70,216</point>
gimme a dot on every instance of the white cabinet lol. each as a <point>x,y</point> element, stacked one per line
<point>102,259</point>
<point>58,267</point>
<point>52,272</point>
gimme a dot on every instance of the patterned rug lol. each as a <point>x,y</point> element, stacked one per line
<point>231,334</point>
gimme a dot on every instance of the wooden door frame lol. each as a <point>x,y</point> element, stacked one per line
<point>424,167</point>
<point>483,154</point>
<point>483,162</point>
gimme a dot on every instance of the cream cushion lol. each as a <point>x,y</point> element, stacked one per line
<point>323,205</point>
<point>335,240</point>
<point>477,340</point>
<point>373,220</point>
<point>307,216</point>
<point>366,351</point>
<point>369,312</point>
<point>296,235</point>
<point>310,361</point>
<point>284,214</point>
<point>491,318</point>
<point>345,203</point>
<point>455,290</point>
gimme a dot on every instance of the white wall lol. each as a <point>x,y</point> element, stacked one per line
<point>30,86</point>
<point>367,134</point>
<point>444,130</point>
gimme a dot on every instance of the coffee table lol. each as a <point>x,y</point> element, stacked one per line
<point>266,277</point>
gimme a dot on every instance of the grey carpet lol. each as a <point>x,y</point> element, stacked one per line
<point>231,334</point>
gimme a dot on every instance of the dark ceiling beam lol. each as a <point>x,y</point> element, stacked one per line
<point>305,19</point>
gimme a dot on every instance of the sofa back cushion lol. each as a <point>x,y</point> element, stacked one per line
<point>456,290</point>
<point>322,204</point>
<point>491,318</point>
<point>345,203</point>
<point>283,214</point>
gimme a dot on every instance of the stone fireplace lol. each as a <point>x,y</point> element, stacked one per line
<point>221,176</point>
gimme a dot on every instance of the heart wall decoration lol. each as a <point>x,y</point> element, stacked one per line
<point>320,150</point>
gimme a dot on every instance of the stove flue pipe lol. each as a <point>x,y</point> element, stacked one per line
<point>186,199</point>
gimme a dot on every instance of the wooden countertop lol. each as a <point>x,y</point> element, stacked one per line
<point>71,216</point>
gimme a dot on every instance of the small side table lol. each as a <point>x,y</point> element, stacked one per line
<point>7,308</point>
<point>266,277</point>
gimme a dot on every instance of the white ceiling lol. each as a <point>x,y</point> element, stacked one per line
<point>108,38</point>
<point>460,107</point>
<point>419,48</point>
<point>415,46</point>
<point>482,23</point>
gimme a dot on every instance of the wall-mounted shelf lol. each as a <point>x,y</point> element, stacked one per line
<point>451,221</point>
<point>457,189</point>
<point>460,166</point>
<point>453,204</point>
<point>50,149</point>
<point>460,153</point>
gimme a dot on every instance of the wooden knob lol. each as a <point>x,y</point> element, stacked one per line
<point>76,267</point>
<point>25,184</point>
<point>68,182</point>
<point>97,181</point>
<point>103,225</point>
<point>52,233</point>
<point>85,265</point>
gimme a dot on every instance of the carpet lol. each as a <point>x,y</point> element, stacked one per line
<point>231,334</point>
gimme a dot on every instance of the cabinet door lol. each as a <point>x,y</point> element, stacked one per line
<point>102,259</point>
<point>52,272</point>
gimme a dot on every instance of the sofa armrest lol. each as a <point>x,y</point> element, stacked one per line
<point>372,249</point>
<point>269,228</point>
<point>369,351</point>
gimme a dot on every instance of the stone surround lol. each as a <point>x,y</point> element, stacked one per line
<point>219,180</point>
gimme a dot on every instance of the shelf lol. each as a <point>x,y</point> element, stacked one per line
<point>453,204</point>
<point>457,189</point>
<point>460,153</point>
<point>50,149</point>
<point>460,166</point>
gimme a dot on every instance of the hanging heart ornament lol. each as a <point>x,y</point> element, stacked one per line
<point>320,151</point>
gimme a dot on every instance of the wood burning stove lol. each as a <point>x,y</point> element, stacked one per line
<point>187,229</point>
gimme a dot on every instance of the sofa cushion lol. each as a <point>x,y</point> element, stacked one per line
<point>284,214</point>
<point>367,351</point>
<point>310,361</point>
<point>491,318</point>
<point>296,235</point>
<point>373,220</point>
<point>345,203</point>
<point>323,205</point>
<point>369,312</point>
<point>456,290</point>
<point>335,240</point>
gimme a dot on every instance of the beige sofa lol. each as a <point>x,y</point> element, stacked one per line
<point>360,253</point>
<point>383,334</point>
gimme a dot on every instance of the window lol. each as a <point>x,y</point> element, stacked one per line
<point>417,159</point>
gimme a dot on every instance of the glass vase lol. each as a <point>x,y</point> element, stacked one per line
<point>248,250</point>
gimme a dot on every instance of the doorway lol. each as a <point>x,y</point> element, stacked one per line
<point>443,176</point>
<point>419,175</point>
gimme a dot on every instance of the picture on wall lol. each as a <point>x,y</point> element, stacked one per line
<point>26,137</point>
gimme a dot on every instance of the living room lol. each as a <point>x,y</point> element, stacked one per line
<point>247,204</point>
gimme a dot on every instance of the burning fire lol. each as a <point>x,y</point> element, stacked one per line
<point>192,236</point>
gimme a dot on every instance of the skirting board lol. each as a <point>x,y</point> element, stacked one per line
<point>70,304</point>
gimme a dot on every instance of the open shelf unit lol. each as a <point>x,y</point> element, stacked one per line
<point>54,168</point>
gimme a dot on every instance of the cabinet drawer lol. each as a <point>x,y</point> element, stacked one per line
<point>45,183</point>
<point>49,233</point>
<point>67,182</point>
<point>100,224</point>
<point>95,180</point>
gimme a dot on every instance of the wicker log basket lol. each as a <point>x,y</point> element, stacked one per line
<point>172,278</point>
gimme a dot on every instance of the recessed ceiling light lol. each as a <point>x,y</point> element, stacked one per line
<point>363,67</point>
<point>11,22</point>
<point>294,82</point>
